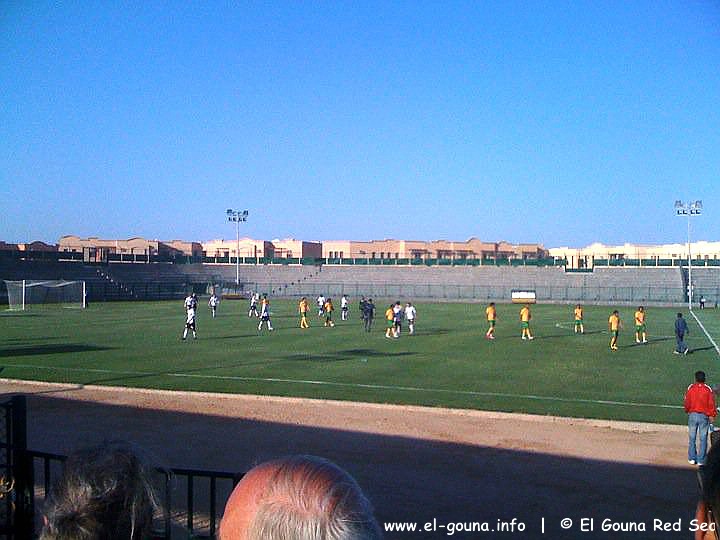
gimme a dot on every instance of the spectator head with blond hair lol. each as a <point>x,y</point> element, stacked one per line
<point>298,498</point>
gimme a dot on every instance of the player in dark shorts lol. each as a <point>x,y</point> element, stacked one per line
<point>368,315</point>
<point>361,307</point>
<point>265,313</point>
<point>397,319</point>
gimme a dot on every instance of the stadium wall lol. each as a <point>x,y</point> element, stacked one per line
<point>604,285</point>
<point>551,284</point>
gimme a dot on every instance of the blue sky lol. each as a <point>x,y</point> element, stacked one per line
<point>555,122</point>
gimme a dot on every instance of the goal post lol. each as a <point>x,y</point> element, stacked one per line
<point>28,292</point>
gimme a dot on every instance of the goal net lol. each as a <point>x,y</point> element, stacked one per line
<point>25,293</point>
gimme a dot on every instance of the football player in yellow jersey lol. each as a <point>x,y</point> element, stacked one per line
<point>390,319</point>
<point>491,314</point>
<point>614,325</point>
<point>525,322</point>
<point>579,327</point>
<point>640,331</point>
<point>329,308</point>
<point>303,308</point>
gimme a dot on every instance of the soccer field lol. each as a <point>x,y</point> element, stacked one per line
<point>447,363</point>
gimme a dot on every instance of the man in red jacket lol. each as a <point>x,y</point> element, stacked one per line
<point>700,406</point>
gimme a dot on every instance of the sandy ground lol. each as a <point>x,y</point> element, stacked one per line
<point>417,464</point>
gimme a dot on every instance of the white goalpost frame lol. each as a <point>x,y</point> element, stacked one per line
<point>19,299</point>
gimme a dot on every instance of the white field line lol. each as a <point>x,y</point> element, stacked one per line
<point>354,385</point>
<point>707,334</point>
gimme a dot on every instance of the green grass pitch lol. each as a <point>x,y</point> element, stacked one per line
<point>447,363</point>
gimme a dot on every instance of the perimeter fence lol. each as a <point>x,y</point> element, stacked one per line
<point>192,499</point>
<point>441,292</point>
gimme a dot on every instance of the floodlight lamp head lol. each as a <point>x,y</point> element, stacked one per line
<point>698,205</point>
<point>245,212</point>
<point>678,205</point>
<point>229,211</point>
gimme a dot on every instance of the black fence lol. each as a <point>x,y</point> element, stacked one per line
<point>191,499</point>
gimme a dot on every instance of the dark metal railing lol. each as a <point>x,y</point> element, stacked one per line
<point>50,463</point>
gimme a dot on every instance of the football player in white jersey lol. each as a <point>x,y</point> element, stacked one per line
<point>397,319</point>
<point>190,301</point>
<point>410,315</point>
<point>213,304</point>
<point>254,297</point>
<point>190,322</point>
<point>344,307</point>
<point>265,313</point>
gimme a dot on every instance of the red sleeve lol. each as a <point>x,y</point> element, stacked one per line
<point>687,399</point>
<point>712,412</point>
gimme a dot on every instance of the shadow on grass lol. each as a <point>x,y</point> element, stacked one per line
<point>698,349</point>
<point>434,331</point>
<point>407,478</point>
<point>32,350</point>
<point>340,356</point>
<point>28,339</point>
<point>344,355</point>
<point>241,336</point>
<point>653,340</point>
<point>593,332</point>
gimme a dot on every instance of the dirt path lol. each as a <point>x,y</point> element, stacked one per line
<point>416,463</point>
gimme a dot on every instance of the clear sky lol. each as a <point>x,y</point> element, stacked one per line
<point>555,122</point>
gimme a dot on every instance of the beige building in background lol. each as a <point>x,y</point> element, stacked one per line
<point>36,246</point>
<point>97,249</point>
<point>435,249</point>
<point>94,249</point>
<point>248,248</point>
<point>291,248</point>
<point>585,257</point>
<point>28,247</point>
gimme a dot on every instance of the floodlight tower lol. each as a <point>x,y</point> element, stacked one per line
<point>237,217</point>
<point>689,209</point>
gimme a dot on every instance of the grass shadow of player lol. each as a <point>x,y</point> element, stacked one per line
<point>699,349</point>
<point>241,336</point>
<point>551,336</point>
<point>341,356</point>
<point>651,340</point>
<point>436,331</point>
<point>32,350</point>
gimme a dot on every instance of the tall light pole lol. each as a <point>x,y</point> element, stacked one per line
<point>689,209</point>
<point>237,217</point>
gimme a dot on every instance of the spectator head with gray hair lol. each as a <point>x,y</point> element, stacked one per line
<point>104,493</point>
<point>298,498</point>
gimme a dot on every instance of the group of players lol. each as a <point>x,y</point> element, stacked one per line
<point>396,313</point>
<point>614,324</point>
